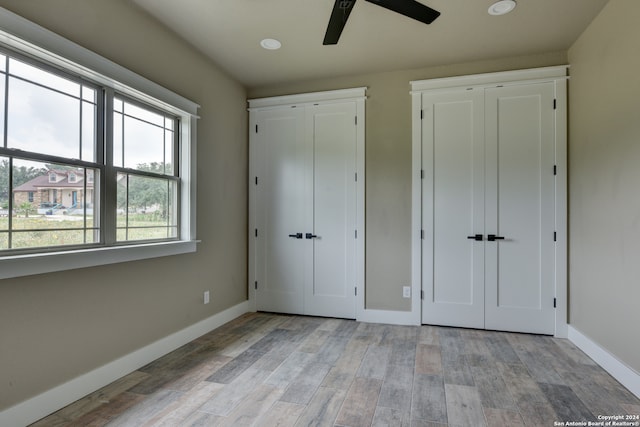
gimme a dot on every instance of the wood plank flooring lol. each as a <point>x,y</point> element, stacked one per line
<point>277,370</point>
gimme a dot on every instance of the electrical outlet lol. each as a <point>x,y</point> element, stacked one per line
<point>406,292</point>
<point>206,297</point>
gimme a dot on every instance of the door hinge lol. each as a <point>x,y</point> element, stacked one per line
<point>422,234</point>
<point>355,290</point>
<point>555,169</point>
<point>421,173</point>
<point>355,233</point>
<point>356,176</point>
<point>256,128</point>
<point>555,236</point>
<point>421,114</point>
<point>256,232</point>
<point>255,285</point>
<point>554,303</point>
<point>421,294</point>
<point>356,120</point>
<point>555,104</point>
<point>256,180</point>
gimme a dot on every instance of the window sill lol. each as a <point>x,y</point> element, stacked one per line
<point>27,265</point>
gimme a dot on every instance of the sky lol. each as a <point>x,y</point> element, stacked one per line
<point>56,116</point>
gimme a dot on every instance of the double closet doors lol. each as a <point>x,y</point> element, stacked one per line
<point>304,249</point>
<point>488,207</point>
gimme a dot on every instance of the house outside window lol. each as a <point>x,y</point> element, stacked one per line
<point>104,164</point>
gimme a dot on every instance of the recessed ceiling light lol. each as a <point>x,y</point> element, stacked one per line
<point>271,44</point>
<point>502,7</point>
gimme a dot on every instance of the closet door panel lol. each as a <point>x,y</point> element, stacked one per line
<point>331,130</point>
<point>520,204</point>
<point>453,158</point>
<point>285,203</point>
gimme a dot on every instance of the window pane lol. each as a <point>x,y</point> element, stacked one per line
<point>117,139</point>
<point>88,131</point>
<point>3,63</point>
<point>146,208</point>
<point>168,155</point>
<point>41,120</point>
<point>26,176</point>
<point>143,114</point>
<point>144,138</point>
<point>3,78</point>
<point>89,94</point>
<point>45,78</point>
<point>172,219</point>
<point>143,144</point>
<point>31,239</point>
<point>62,206</point>
<point>4,192</point>
<point>4,239</point>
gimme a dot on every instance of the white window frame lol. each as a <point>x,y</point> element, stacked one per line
<point>35,41</point>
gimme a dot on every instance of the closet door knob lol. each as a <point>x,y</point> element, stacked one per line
<point>310,236</point>
<point>493,237</point>
<point>296,236</point>
<point>477,237</point>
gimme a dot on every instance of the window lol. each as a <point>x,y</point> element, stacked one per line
<point>49,120</point>
<point>88,161</point>
<point>144,146</point>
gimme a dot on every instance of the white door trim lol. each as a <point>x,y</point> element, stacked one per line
<point>558,75</point>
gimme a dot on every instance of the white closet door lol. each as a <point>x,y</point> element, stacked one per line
<point>520,196</point>
<point>284,203</point>
<point>453,209</point>
<point>331,131</point>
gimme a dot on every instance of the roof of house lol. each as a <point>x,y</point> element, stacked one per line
<point>42,182</point>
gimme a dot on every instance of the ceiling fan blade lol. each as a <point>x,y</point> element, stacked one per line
<point>409,8</point>
<point>339,16</point>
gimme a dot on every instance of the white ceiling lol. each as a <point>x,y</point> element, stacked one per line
<point>374,39</point>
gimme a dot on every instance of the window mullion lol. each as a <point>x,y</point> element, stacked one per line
<point>126,211</point>
<point>10,213</point>
<point>177,171</point>
<point>80,124</point>
<point>176,149</point>
<point>110,179</point>
<point>5,144</point>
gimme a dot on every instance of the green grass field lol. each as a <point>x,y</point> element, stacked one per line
<point>41,230</point>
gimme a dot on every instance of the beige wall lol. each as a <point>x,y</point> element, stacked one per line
<point>388,164</point>
<point>604,174</point>
<point>55,327</point>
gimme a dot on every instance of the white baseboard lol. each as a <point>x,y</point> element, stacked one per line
<point>389,317</point>
<point>58,397</point>
<point>618,369</point>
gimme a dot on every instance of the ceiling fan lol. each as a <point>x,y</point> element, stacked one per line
<point>342,10</point>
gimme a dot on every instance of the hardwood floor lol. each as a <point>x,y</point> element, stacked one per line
<point>277,370</point>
